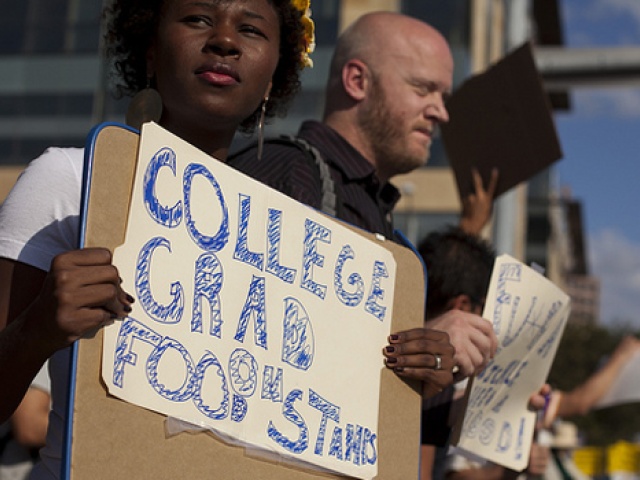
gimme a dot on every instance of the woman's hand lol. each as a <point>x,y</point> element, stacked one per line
<point>81,293</point>
<point>422,354</point>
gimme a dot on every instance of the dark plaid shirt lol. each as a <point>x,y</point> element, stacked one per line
<point>363,201</point>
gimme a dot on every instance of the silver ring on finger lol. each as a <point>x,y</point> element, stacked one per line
<point>438,359</point>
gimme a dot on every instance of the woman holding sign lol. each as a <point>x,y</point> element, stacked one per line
<point>206,69</point>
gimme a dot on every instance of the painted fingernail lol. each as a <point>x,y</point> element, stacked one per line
<point>390,349</point>
<point>392,360</point>
<point>398,369</point>
<point>127,308</point>
<point>130,299</point>
<point>394,337</point>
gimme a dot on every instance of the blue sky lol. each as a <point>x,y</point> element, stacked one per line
<point>600,138</point>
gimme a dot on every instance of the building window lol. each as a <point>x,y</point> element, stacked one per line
<point>415,225</point>
<point>37,27</point>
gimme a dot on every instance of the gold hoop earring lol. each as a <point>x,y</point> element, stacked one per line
<point>263,113</point>
<point>145,106</point>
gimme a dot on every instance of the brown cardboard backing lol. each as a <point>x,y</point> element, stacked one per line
<point>112,439</point>
<point>501,119</point>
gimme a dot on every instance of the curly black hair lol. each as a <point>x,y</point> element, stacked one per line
<point>131,25</point>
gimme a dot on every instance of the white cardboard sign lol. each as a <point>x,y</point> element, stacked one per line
<point>529,314</point>
<point>255,316</point>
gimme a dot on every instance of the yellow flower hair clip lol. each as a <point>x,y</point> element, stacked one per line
<point>309,38</point>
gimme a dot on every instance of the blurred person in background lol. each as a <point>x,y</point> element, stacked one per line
<point>25,433</point>
<point>459,266</point>
<point>564,442</point>
<point>583,398</point>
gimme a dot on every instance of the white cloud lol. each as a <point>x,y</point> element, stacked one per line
<point>608,102</point>
<point>616,261</point>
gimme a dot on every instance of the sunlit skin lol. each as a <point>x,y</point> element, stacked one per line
<point>401,83</point>
<point>408,105</point>
<point>213,63</point>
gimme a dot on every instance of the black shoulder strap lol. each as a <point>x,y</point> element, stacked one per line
<point>329,203</point>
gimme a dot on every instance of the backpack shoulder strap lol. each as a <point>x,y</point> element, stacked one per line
<point>329,203</point>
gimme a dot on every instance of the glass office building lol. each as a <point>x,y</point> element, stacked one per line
<point>53,87</point>
<point>52,84</point>
<point>49,74</point>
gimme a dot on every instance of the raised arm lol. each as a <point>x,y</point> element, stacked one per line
<point>582,398</point>
<point>477,206</point>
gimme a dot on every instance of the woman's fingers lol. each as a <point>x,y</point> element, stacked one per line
<point>422,354</point>
<point>82,292</point>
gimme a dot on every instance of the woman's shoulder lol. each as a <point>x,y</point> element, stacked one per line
<point>57,158</point>
<point>39,217</point>
<point>55,169</point>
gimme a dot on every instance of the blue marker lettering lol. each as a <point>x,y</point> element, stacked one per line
<point>130,330</point>
<point>377,292</point>
<point>182,392</point>
<point>207,285</point>
<point>289,412</point>
<point>329,411</point>
<point>216,242</point>
<point>314,233</point>
<point>274,228</point>
<point>254,308</point>
<point>298,347</point>
<point>209,360</point>
<point>355,279</point>
<point>168,217</point>
<point>171,313</point>
<point>242,252</point>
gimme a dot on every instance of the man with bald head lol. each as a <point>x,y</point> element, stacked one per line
<point>389,79</point>
<point>390,76</point>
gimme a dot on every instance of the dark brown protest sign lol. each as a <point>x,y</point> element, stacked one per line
<point>501,119</point>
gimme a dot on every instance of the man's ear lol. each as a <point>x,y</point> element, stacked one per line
<point>355,79</point>
<point>461,302</point>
